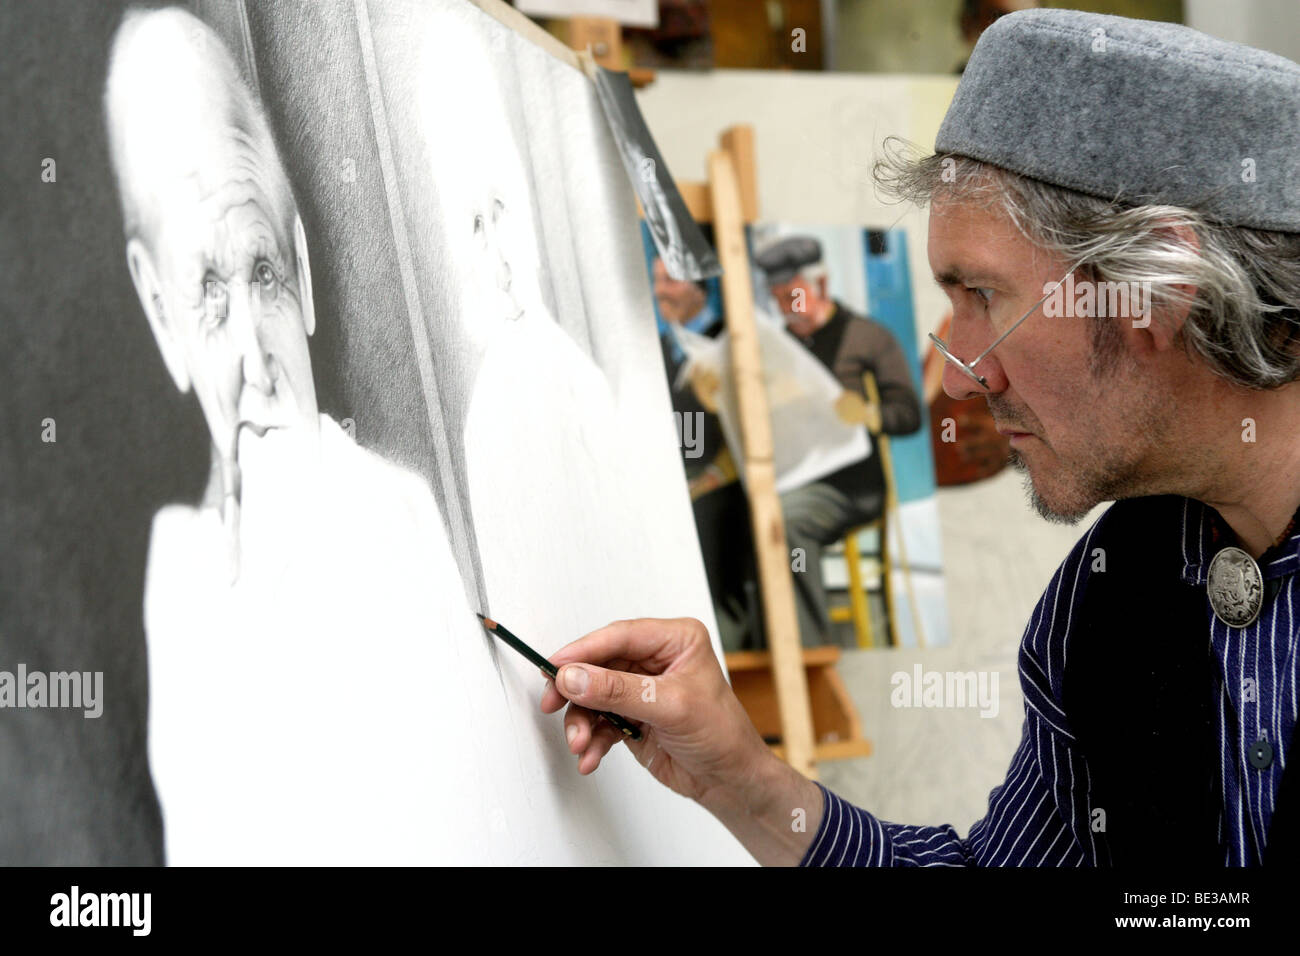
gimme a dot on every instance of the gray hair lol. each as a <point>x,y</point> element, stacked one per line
<point>814,272</point>
<point>1244,320</point>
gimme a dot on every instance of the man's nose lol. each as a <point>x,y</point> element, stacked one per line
<point>245,323</point>
<point>971,335</point>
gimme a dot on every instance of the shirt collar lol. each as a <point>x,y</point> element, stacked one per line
<point>828,326</point>
<point>1205,534</point>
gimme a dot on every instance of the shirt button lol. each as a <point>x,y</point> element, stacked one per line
<point>1261,754</point>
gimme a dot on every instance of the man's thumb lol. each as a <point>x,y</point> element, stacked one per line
<point>596,688</point>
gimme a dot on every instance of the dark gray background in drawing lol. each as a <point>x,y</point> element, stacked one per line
<point>75,515</point>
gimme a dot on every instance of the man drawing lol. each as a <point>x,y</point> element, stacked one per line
<point>1159,667</point>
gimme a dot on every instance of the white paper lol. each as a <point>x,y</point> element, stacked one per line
<point>809,439</point>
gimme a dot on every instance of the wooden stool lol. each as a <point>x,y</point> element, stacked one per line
<point>858,610</point>
<point>837,731</point>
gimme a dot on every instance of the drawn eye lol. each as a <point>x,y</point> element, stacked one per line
<point>498,207</point>
<point>267,281</point>
<point>479,224</point>
<point>216,301</point>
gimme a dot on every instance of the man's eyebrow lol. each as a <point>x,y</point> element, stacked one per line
<point>955,275</point>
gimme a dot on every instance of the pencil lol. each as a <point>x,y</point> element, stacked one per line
<point>549,669</point>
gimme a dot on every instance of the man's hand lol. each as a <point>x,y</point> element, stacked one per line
<point>696,737</point>
<point>701,485</point>
<point>856,410</point>
<point>663,674</point>
<point>706,382</point>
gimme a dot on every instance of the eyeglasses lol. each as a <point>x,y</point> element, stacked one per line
<point>969,369</point>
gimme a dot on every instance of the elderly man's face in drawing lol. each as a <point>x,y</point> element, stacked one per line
<point>484,196</point>
<point>215,249</point>
<point>491,225</point>
<point>494,215</point>
<point>226,262</point>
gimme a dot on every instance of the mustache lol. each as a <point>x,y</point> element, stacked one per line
<point>1008,415</point>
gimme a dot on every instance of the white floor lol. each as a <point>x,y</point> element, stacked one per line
<point>937,765</point>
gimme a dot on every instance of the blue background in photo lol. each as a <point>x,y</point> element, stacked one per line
<point>889,302</point>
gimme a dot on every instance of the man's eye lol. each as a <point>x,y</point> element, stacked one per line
<point>984,294</point>
<point>267,280</point>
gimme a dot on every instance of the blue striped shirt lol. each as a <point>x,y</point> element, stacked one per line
<point>1040,815</point>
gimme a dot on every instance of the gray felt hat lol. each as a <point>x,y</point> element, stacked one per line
<point>1135,111</point>
<point>782,260</point>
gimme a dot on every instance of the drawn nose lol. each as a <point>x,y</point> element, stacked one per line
<point>257,372</point>
<point>255,363</point>
<point>503,274</point>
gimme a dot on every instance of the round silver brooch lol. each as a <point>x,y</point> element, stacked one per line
<point>1236,587</point>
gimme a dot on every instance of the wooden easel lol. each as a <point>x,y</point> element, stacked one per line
<point>602,38</point>
<point>787,691</point>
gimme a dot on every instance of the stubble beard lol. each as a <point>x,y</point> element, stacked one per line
<point>1091,484</point>
<point>1113,469</point>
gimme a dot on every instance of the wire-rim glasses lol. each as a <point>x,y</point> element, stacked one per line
<point>969,369</point>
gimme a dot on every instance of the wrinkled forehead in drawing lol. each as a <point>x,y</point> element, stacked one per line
<point>185,132</point>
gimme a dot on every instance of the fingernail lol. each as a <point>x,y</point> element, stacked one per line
<point>576,680</point>
<point>571,731</point>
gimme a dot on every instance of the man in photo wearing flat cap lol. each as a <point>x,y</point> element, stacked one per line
<point>1082,155</point>
<point>848,345</point>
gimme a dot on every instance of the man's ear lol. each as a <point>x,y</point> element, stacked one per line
<point>821,287</point>
<point>304,276</point>
<point>1166,323</point>
<point>140,264</point>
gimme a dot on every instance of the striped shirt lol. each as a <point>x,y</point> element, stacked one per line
<point>1040,815</point>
